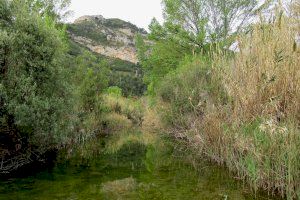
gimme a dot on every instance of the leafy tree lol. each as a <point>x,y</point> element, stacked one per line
<point>219,18</point>
<point>33,84</point>
<point>167,45</point>
<point>56,9</point>
<point>191,27</point>
<point>91,78</point>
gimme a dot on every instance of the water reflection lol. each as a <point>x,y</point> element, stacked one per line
<point>135,171</point>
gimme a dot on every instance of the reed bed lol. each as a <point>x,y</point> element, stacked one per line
<point>244,110</point>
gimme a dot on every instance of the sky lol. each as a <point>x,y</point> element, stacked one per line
<point>138,12</point>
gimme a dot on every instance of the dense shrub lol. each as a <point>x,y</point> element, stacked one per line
<point>189,89</point>
<point>33,88</point>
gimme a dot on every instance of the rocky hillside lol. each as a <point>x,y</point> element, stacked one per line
<point>109,37</point>
<point>111,41</point>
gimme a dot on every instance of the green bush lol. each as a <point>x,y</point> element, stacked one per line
<point>34,87</point>
<point>190,88</point>
<point>115,91</point>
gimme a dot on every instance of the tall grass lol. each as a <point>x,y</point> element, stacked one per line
<point>130,108</point>
<point>264,78</point>
<point>264,84</point>
<point>244,111</point>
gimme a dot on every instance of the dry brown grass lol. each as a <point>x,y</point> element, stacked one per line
<point>131,108</point>
<point>116,122</point>
<point>256,133</point>
<point>263,83</point>
<point>264,79</point>
<point>151,120</point>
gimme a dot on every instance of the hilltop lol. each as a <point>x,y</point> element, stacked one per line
<point>112,40</point>
<point>109,37</point>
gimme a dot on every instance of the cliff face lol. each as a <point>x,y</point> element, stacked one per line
<point>110,37</point>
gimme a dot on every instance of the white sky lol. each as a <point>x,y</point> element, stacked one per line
<point>138,12</point>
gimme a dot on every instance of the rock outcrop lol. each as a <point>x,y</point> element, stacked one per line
<point>109,37</point>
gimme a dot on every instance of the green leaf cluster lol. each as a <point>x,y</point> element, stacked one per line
<point>33,85</point>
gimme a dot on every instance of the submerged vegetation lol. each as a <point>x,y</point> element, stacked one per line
<point>223,84</point>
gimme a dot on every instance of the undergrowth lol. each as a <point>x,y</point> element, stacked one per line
<point>243,111</point>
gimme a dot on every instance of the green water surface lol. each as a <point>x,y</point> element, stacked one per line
<point>136,172</point>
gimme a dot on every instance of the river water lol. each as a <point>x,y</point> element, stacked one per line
<point>136,171</point>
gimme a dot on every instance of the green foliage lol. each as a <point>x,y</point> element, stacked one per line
<point>115,23</point>
<point>130,84</point>
<point>50,97</point>
<point>87,30</point>
<point>126,75</point>
<point>56,9</point>
<point>91,80</point>
<point>218,18</point>
<point>128,108</point>
<point>240,109</point>
<point>34,88</point>
<point>164,55</point>
<point>122,66</point>
<point>74,48</point>
<point>190,27</point>
<point>115,91</point>
<point>179,91</point>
